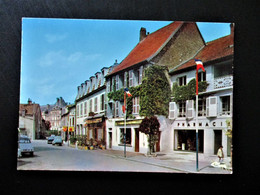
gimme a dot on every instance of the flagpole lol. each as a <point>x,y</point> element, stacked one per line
<point>125,125</point>
<point>197,132</point>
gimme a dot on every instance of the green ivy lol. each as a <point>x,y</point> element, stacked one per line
<point>156,92</point>
<point>187,92</point>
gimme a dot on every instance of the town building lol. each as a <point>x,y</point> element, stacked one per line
<point>169,46</point>
<point>215,103</point>
<point>52,113</point>
<point>68,116</point>
<point>90,106</point>
<point>30,120</point>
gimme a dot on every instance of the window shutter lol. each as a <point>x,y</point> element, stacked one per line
<point>211,106</point>
<point>172,110</point>
<point>190,109</point>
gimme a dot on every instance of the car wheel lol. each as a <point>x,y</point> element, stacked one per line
<point>31,154</point>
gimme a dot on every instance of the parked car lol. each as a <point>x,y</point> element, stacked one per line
<point>50,139</point>
<point>57,140</point>
<point>25,146</point>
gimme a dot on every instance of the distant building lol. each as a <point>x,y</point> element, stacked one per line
<point>30,120</point>
<point>52,113</point>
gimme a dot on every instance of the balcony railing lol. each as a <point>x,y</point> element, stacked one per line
<point>225,81</point>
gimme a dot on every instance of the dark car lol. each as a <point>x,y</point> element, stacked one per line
<point>50,139</point>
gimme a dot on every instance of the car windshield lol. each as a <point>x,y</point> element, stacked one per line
<point>24,140</point>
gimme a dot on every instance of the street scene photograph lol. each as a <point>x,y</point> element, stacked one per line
<point>126,96</point>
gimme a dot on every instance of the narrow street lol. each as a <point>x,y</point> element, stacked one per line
<point>49,157</point>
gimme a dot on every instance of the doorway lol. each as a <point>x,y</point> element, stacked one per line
<point>136,140</point>
<point>217,140</point>
<point>110,140</point>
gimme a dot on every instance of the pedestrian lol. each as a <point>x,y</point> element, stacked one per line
<point>220,154</point>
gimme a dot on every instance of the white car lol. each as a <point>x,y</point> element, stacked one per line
<point>25,146</point>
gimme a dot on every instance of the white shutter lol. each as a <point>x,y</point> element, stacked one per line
<point>211,106</point>
<point>172,110</point>
<point>190,109</point>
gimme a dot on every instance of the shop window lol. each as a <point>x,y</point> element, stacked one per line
<point>128,136</point>
<point>185,140</point>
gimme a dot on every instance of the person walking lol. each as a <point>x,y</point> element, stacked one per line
<point>220,154</point>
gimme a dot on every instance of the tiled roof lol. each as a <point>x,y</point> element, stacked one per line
<point>30,109</point>
<point>148,47</point>
<point>213,50</point>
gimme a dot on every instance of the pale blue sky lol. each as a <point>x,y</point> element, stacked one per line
<point>60,54</point>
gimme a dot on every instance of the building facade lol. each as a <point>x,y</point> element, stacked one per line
<point>169,46</point>
<point>90,107</point>
<point>30,120</point>
<point>215,103</point>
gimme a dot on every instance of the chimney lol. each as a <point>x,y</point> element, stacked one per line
<point>29,101</point>
<point>142,33</point>
<point>232,26</point>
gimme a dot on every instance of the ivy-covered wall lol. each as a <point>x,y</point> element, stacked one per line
<point>187,92</point>
<point>154,93</point>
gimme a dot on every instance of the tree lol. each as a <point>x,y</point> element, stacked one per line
<point>150,127</point>
<point>155,93</point>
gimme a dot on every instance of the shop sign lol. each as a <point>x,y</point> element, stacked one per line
<point>71,129</point>
<point>131,122</point>
<point>64,128</point>
<point>91,121</point>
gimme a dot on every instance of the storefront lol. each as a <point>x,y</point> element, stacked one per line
<point>185,140</point>
<point>96,128</point>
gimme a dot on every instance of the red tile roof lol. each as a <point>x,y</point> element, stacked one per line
<point>148,47</point>
<point>213,50</point>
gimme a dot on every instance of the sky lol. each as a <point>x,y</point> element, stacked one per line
<point>59,54</point>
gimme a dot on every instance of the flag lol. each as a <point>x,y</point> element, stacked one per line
<point>199,65</point>
<point>127,92</point>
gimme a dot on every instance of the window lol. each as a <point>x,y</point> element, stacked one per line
<point>95,105</point>
<point>222,70</point>
<point>225,105</point>
<point>102,102</point>
<point>131,82</point>
<point>128,136</point>
<point>108,85</point>
<point>202,76</point>
<point>117,82</point>
<point>85,108</point>
<point>116,108</point>
<point>140,75</point>
<point>136,105</point>
<point>90,105</point>
<point>182,109</point>
<point>125,79</point>
<point>182,81</point>
<point>202,107</point>
<point>77,110</point>
<point>81,109</point>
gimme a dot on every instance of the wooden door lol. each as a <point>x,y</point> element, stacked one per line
<point>136,140</point>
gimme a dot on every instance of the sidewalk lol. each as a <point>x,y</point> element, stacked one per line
<point>179,161</point>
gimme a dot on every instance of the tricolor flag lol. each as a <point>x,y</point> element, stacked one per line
<point>127,92</point>
<point>199,65</point>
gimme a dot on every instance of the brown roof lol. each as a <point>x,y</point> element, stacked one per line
<point>148,47</point>
<point>213,50</point>
<point>30,109</point>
